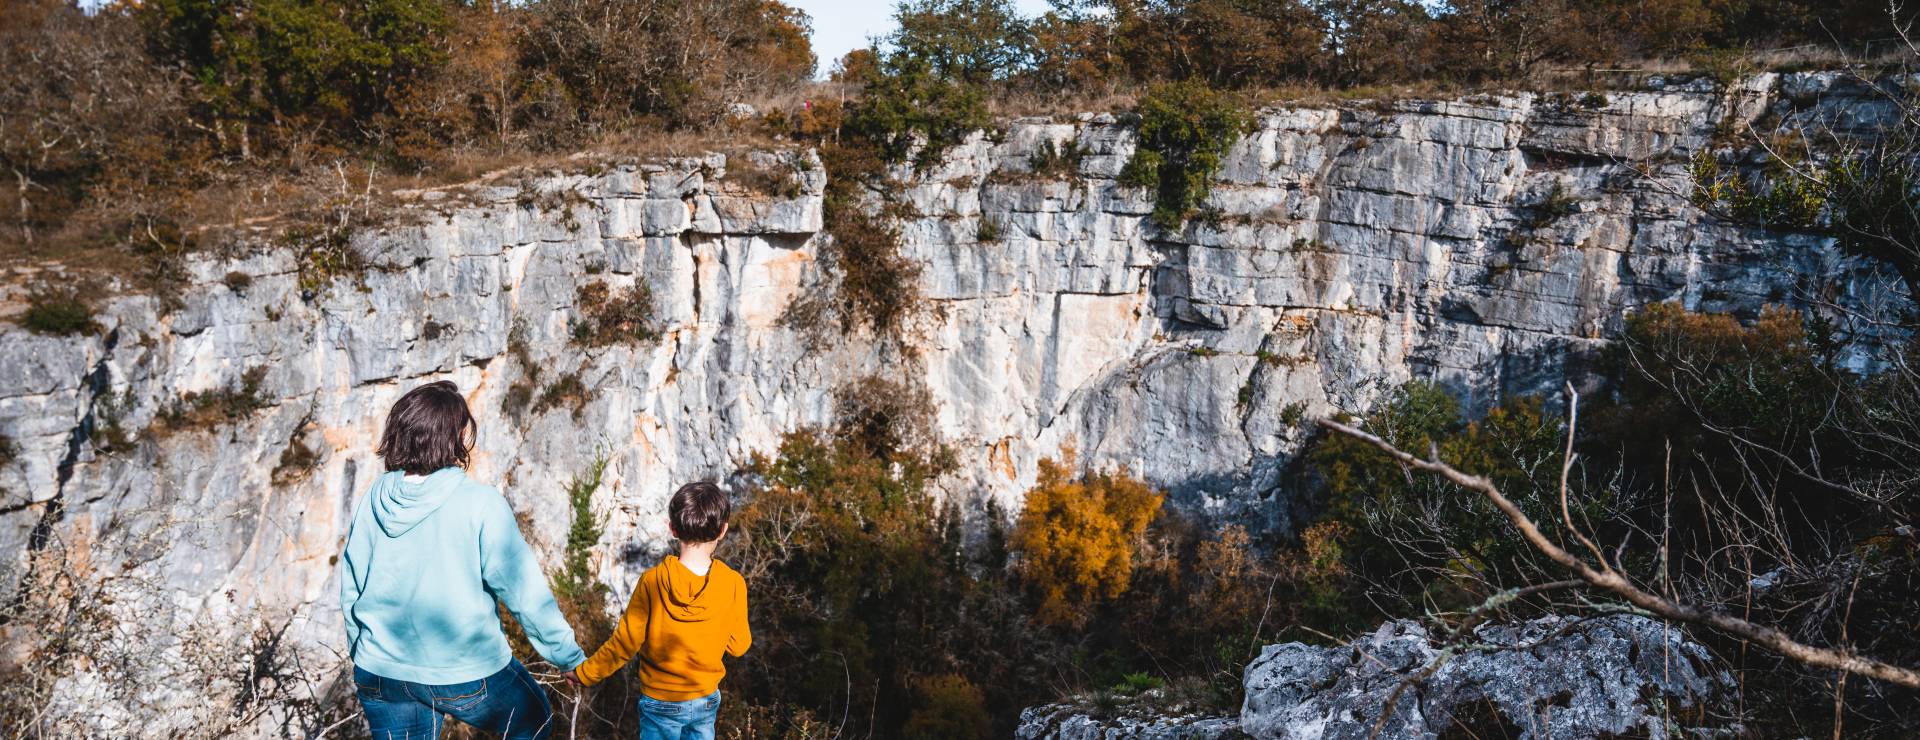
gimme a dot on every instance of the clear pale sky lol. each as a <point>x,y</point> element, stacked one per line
<point>840,26</point>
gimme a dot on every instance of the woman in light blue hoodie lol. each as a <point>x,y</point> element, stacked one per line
<point>428,553</point>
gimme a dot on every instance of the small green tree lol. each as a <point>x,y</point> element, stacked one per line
<point>576,580</point>
<point>1185,129</point>
<point>971,41</point>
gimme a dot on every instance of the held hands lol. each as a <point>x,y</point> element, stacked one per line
<point>573,679</point>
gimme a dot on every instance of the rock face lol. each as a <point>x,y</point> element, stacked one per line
<point>1550,677</point>
<point>1488,243</point>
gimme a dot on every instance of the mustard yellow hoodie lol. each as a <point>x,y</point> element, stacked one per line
<point>679,623</point>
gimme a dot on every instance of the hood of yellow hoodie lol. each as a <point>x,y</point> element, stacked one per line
<point>687,596</point>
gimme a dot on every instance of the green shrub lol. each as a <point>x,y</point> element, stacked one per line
<point>1556,204</point>
<point>1872,194</point>
<point>576,579</point>
<point>568,391</point>
<point>109,422</point>
<point>910,114</point>
<point>58,314</point>
<point>609,316</point>
<point>195,410</point>
<point>1453,546</point>
<point>1137,683</point>
<point>326,61</point>
<point>1185,130</point>
<point>1293,413</point>
<point>927,93</point>
<point>1781,196</point>
<point>988,232</point>
<point>1056,162</point>
<point>325,253</point>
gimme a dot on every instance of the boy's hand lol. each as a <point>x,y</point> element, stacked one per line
<point>572,678</point>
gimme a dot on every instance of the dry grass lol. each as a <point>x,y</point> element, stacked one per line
<point>1025,102</point>
<point>258,203</point>
<point>255,200</point>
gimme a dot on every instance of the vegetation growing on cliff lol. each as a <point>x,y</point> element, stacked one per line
<point>1185,131</point>
<point>576,579</point>
<point>59,313</point>
<point>144,125</point>
<point>567,390</point>
<point>198,410</point>
<point>610,316</point>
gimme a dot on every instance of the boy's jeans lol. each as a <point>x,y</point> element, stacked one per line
<point>678,720</point>
<point>509,703</point>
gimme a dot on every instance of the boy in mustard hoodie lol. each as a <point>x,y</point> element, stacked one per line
<point>684,613</point>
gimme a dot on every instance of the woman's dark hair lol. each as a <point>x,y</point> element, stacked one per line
<point>698,511</point>
<point>428,429</point>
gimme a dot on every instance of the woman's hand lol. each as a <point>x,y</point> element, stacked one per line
<point>572,678</point>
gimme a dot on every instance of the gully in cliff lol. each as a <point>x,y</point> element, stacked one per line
<point>428,552</point>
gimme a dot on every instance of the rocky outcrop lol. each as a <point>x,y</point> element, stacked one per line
<point>1075,721</point>
<point>1490,243</point>
<point>1551,677</point>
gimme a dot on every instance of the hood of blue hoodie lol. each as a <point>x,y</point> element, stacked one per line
<point>399,506</point>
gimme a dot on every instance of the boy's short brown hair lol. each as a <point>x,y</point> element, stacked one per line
<point>698,512</point>
<point>428,429</point>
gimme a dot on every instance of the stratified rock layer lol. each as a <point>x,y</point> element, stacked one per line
<point>1343,252</point>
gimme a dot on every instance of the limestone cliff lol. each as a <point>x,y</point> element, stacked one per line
<point>1490,243</point>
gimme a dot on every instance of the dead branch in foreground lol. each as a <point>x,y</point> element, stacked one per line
<point>1606,577</point>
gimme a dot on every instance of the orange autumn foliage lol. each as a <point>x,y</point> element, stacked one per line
<point>1077,538</point>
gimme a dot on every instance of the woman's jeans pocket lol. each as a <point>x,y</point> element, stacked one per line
<point>366,685</point>
<point>509,703</point>
<point>459,698</point>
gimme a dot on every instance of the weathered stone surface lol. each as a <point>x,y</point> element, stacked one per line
<point>1078,722</point>
<point>1354,249</point>
<point>1558,677</point>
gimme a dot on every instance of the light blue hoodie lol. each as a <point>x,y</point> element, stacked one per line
<point>424,563</point>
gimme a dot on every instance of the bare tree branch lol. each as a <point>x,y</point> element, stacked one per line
<point>1613,581</point>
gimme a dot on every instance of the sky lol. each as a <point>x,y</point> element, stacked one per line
<point>840,26</point>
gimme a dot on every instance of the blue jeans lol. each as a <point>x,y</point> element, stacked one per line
<point>509,703</point>
<point>678,720</point>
